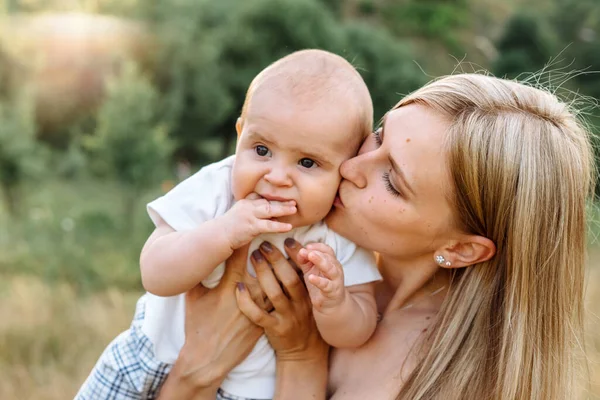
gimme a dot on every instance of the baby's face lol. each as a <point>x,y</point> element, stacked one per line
<point>289,151</point>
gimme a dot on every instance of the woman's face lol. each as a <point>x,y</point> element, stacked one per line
<point>393,198</point>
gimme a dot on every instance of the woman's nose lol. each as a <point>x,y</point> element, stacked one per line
<point>353,170</point>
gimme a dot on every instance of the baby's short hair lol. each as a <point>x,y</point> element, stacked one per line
<point>310,74</point>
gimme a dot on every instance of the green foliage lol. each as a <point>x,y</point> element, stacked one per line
<point>130,142</point>
<point>21,156</point>
<point>335,6</point>
<point>214,50</point>
<point>195,99</point>
<point>385,63</point>
<point>577,27</point>
<point>263,31</point>
<point>432,19</point>
<point>524,47</point>
<point>72,231</point>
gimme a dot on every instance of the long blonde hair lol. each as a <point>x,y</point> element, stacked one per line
<point>522,169</point>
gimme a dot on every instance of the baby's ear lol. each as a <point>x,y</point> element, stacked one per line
<point>239,124</point>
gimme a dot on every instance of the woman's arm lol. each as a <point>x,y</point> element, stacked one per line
<point>218,336</point>
<point>302,355</point>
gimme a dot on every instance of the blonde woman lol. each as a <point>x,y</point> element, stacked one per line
<point>473,193</point>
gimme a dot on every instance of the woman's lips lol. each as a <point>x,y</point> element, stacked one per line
<point>337,202</point>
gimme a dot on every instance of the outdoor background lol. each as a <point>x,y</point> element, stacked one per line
<point>106,104</point>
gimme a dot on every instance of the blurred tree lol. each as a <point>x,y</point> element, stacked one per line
<point>21,156</point>
<point>523,48</point>
<point>385,63</point>
<point>263,31</point>
<point>130,143</point>
<point>436,20</point>
<point>576,24</point>
<point>335,6</point>
<point>195,99</point>
<point>214,49</point>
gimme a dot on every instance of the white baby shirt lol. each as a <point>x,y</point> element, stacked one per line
<point>205,196</point>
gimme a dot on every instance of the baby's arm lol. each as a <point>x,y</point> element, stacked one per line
<point>345,316</point>
<point>174,262</point>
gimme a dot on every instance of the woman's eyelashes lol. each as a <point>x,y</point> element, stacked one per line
<point>377,136</point>
<point>390,186</point>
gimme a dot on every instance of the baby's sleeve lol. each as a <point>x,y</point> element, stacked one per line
<point>200,198</point>
<point>358,263</point>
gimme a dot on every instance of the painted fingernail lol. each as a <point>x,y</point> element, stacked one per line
<point>266,246</point>
<point>240,286</point>
<point>257,255</point>
<point>289,242</point>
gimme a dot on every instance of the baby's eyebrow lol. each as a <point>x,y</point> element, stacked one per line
<point>316,155</point>
<point>255,135</point>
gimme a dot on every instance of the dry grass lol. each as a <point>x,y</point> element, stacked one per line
<point>50,337</point>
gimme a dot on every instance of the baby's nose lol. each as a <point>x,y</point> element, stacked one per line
<point>278,177</point>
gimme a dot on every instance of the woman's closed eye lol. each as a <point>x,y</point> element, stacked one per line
<point>377,136</point>
<point>262,151</point>
<point>390,186</point>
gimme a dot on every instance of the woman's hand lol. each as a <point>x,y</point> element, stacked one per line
<point>217,335</point>
<point>302,355</point>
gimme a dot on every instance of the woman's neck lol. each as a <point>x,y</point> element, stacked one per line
<point>405,283</point>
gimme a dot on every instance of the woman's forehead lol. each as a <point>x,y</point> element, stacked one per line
<point>416,138</point>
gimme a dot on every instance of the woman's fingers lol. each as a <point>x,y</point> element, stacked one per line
<point>285,272</point>
<point>268,281</point>
<point>236,266</point>
<point>251,310</point>
<point>298,255</point>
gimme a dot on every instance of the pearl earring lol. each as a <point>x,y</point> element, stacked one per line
<point>442,261</point>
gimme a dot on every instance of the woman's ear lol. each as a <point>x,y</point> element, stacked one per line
<point>467,251</point>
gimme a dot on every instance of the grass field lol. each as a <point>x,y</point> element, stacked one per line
<point>69,281</point>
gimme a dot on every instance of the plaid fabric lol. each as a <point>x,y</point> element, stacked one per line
<point>127,369</point>
<point>223,395</point>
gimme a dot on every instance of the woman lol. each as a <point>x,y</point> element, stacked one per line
<point>473,194</point>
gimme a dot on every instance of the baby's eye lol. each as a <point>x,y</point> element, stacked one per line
<point>307,163</point>
<point>262,151</point>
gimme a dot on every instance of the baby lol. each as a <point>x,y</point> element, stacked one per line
<point>302,117</point>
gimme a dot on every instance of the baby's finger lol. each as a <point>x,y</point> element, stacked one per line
<point>305,264</point>
<point>323,284</point>
<point>253,196</point>
<point>249,308</point>
<point>324,264</point>
<point>273,209</point>
<point>268,226</point>
<point>322,247</point>
<point>333,266</point>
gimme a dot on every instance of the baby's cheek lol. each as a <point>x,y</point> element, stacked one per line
<point>240,186</point>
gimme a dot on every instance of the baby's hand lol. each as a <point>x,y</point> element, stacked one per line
<point>252,216</point>
<point>324,276</point>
